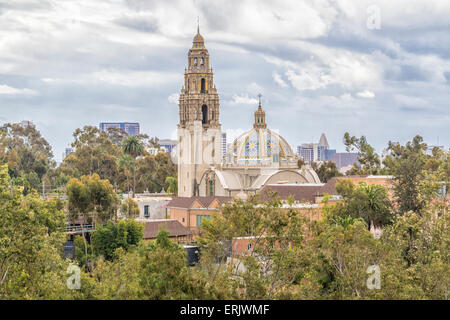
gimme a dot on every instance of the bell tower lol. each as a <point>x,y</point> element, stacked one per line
<point>199,130</point>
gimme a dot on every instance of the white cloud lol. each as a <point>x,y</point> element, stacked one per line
<point>134,78</point>
<point>366,94</point>
<point>277,78</point>
<point>173,98</point>
<point>7,90</point>
<point>244,99</point>
<point>329,66</point>
<point>127,53</point>
<point>255,89</point>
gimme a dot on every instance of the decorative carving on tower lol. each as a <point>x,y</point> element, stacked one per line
<point>199,99</point>
<point>199,129</point>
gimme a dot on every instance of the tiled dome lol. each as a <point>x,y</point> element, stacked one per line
<point>260,146</point>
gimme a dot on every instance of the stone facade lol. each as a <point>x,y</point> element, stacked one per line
<point>199,130</point>
<point>256,158</point>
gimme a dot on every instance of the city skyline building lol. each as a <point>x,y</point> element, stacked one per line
<point>131,128</point>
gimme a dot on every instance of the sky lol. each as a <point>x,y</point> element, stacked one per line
<point>378,68</point>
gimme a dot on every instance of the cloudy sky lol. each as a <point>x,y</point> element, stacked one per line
<point>376,68</point>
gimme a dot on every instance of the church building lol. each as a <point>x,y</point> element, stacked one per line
<point>257,158</point>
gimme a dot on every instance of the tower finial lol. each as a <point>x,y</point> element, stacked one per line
<point>259,96</point>
<point>198,25</point>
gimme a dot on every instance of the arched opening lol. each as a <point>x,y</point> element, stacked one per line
<point>203,85</point>
<point>211,188</point>
<point>204,114</point>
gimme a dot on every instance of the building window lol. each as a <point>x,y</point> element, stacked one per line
<point>204,114</point>
<point>203,85</point>
<point>200,217</point>
<point>211,188</point>
<point>146,212</point>
<point>182,219</point>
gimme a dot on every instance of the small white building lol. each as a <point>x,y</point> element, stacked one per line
<point>151,205</point>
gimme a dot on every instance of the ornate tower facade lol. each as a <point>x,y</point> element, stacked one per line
<point>199,130</point>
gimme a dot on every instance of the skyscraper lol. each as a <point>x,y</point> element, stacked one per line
<point>131,128</point>
<point>311,152</point>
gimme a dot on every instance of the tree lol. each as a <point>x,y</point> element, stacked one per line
<point>130,208</point>
<point>116,135</point>
<point>367,157</point>
<point>406,164</point>
<point>91,198</point>
<point>154,142</point>
<point>119,279</point>
<point>368,202</point>
<point>421,243</point>
<point>27,153</point>
<point>153,170</point>
<point>123,234</point>
<point>127,164</point>
<point>31,242</point>
<point>133,146</point>
<point>94,153</point>
<point>326,170</point>
<point>276,238</point>
<point>165,274</point>
<point>173,185</point>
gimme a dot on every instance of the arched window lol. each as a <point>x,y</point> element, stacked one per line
<point>195,62</point>
<point>204,114</point>
<point>211,188</point>
<point>203,85</point>
<point>202,61</point>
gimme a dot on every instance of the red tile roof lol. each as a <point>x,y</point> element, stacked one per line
<point>186,202</point>
<point>301,193</point>
<point>174,227</point>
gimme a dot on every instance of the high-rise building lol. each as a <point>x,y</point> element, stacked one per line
<point>224,145</point>
<point>311,152</point>
<point>329,153</point>
<point>66,152</point>
<point>131,128</point>
<point>344,159</point>
<point>167,144</point>
<point>306,151</point>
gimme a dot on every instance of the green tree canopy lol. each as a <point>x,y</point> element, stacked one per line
<point>123,234</point>
<point>326,170</point>
<point>92,199</point>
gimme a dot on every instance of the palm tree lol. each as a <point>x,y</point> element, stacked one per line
<point>126,162</point>
<point>133,146</point>
<point>173,185</point>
